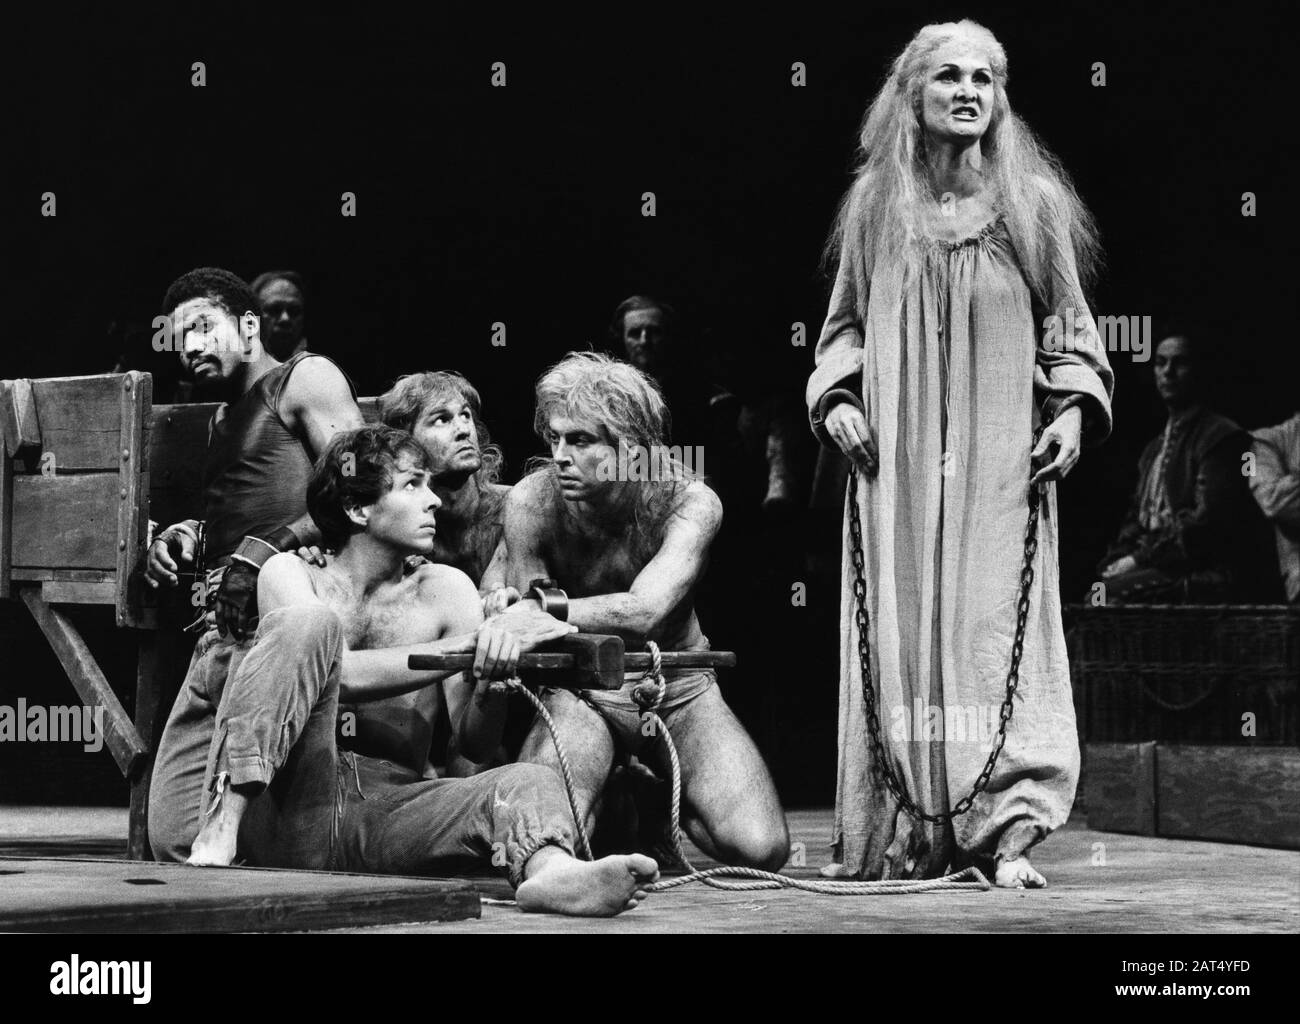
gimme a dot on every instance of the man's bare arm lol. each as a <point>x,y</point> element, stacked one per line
<point>494,576</point>
<point>526,520</point>
<point>665,581</point>
<point>366,675</point>
<point>318,403</point>
<point>657,590</point>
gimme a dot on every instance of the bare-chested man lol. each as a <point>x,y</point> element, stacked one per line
<point>629,553</point>
<point>280,792</point>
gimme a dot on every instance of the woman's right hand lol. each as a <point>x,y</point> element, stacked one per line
<point>848,428</point>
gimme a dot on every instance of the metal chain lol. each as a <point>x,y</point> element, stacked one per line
<point>892,780</point>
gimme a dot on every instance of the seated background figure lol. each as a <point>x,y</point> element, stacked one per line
<point>1192,534</point>
<point>282,301</point>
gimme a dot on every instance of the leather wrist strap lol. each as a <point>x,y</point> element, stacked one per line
<point>554,601</point>
<point>254,552</point>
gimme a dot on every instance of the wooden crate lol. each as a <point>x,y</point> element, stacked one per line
<point>1203,674</point>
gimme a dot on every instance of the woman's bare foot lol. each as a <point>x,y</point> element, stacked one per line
<point>218,839</point>
<point>834,870</point>
<point>556,883</point>
<point>1018,873</point>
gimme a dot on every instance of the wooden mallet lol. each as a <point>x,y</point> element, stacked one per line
<point>581,661</point>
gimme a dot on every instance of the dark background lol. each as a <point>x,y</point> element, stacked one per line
<point>523,205</point>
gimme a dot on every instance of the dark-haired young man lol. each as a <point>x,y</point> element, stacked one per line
<point>278,788</point>
<point>276,418</point>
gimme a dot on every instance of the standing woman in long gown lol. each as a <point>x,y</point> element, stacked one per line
<point>957,328</point>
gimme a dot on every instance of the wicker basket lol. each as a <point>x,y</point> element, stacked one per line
<point>1186,673</point>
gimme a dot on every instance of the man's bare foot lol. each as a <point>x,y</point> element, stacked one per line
<point>834,870</point>
<point>1018,873</point>
<point>557,883</point>
<point>218,839</point>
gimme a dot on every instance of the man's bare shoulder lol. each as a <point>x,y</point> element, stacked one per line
<point>286,580</point>
<point>316,380</point>
<point>700,506</point>
<point>533,497</point>
<point>286,569</point>
<point>436,583</point>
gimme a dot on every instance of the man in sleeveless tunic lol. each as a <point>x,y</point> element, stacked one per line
<point>275,420</point>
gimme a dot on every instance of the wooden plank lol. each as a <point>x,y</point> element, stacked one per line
<point>1121,787</point>
<point>88,896</point>
<point>84,673</point>
<point>79,592</point>
<point>6,521</point>
<point>133,491</point>
<point>160,670</point>
<point>65,521</point>
<point>178,440</point>
<point>64,575</point>
<point>1239,794</point>
<point>1098,882</point>
<point>22,426</point>
<point>80,420</point>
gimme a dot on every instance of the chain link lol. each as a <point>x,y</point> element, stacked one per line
<point>892,781</point>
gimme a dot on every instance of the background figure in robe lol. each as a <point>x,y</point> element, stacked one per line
<point>959,239</point>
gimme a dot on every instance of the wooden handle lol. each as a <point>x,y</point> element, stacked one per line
<point>587,661</point>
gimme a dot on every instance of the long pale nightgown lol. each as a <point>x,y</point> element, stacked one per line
<point>952,366</point>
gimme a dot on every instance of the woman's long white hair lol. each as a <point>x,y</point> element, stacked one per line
<point>880,215</point>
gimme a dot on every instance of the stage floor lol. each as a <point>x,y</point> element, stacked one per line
<point>1097,882</point>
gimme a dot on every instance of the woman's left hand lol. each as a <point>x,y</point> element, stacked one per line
<point>1064,432</point>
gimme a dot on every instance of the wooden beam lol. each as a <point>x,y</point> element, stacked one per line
<point>133,491</point>
<point>85,675</point>
<point>21,575</point>
<point>22,428</point>
<point>78,592</point>
<point>101,896</point>
<point>6,520</point>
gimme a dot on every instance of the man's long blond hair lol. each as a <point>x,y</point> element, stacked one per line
<point>628,405</point>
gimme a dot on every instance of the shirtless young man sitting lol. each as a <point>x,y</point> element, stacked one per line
<point>280,791</point>
<point>629,553</point>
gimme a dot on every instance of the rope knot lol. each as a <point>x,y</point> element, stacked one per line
<point>649,692</point>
